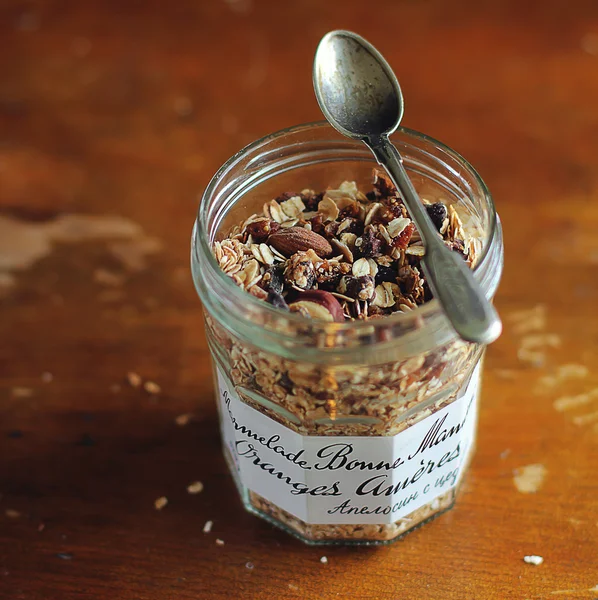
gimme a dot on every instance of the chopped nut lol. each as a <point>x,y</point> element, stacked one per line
<point>208,526</point>
<point>318,304</point>
<point>219,542</point>
<point>324,560</point>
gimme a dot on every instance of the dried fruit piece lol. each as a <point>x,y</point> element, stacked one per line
<point>261,228</point>
<point>297,239</point>
<point>437,213</point>
<point>318,304</point>
<point>403,239</point>
<point>370,245</point>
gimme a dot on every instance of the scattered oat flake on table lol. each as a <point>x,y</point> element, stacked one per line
<point>151,387</point>
<point>505,374</point>
<point>529,479</point>
<point>219,542</point>
<point>183,419</point>
<point>533,559</point>
<point>22,392</point>
<point>161,502</point>
<point>208,526</point>
<point>566,402</point>
<point>195,488</point>
<point>12,514</point>
<point>585,419</point>
<point>524,321</point>
<point>324,560</point>
<point>540,340</point>
<point>134,379</point>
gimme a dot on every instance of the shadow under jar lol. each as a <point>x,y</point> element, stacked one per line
<point>351,432</point>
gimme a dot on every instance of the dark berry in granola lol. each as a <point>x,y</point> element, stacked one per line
<point>386,274</point>
<point>273,279</point>
<point>438,213</point>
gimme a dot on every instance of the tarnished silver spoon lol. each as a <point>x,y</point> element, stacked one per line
<point>361,98</point>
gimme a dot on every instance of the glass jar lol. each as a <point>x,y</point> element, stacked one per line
<point>351,432</point>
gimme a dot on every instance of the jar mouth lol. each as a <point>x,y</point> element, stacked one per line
<point>203,242</point>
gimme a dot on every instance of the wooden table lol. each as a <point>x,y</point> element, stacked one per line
<point>113,117</point>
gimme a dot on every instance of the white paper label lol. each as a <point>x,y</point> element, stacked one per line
<point>349,479</point>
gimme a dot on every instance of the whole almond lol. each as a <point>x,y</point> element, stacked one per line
<point>319,304</point>
<point>296,239</point>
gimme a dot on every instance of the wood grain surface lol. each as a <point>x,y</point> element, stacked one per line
<point>113,116</point>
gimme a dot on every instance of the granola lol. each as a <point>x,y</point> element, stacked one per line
<point>341,255</point>
<point>362,249</point>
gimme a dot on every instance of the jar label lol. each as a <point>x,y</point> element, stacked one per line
<point>349,479</point>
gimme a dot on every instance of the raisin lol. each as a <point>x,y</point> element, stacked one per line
<point>311,201</point>
<point>274,279</point>
<point>385,274</point>
<point>438,213</point>
<point>277,300</point>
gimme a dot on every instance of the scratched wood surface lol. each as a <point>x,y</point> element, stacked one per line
<point>113,117</point>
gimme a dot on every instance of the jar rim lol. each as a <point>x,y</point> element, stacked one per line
<point>202,237</point>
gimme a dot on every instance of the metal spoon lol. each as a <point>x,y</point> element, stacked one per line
<point>361,98</point>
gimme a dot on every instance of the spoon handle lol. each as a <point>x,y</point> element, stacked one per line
<point>451,281</point>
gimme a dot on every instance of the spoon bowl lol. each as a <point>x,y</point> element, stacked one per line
<point>355,87</point>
